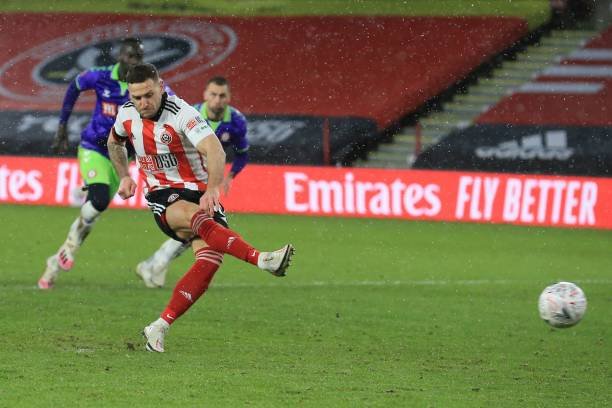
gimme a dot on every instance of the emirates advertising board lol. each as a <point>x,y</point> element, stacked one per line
<point>555,201</point>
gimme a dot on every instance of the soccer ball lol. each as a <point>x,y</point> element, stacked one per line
<point>562,304</point>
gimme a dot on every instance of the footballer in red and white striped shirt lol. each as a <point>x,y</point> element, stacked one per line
<point>165,143</point>
<point>183,167</point>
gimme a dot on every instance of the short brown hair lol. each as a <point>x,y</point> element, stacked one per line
<point>141,72</point>
<point>218,80</point>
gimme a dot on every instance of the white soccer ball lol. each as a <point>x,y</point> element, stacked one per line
<point>562,304</point>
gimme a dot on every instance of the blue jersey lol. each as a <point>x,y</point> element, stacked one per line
<point>111,93</point>
<point>231,131</point>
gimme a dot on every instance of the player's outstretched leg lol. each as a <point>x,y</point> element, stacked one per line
<point>153,270</point>
<point>63,259</point>
<point>227,241</point>
<point>188,289</point>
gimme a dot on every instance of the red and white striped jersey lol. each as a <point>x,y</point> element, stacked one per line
<point>165,145</point>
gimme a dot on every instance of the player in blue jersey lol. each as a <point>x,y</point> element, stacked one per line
<point>230,126</point>
<point>96,169</point>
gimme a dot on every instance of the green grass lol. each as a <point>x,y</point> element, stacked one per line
<point>536,12</point>
<point>372,313</point>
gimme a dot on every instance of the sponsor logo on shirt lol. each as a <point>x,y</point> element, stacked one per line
<point>109,109</point>
<point>157,162</point>
<point>173,198</point>
<point>193,122</point>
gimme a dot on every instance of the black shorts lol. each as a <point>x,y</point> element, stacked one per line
<point>159,200</point>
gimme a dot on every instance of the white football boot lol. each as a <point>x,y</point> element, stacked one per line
<point>154,335</point>
<point>152,273</point>
<point>47,280</point>
<point>276,262</point>
<point>153,270</point>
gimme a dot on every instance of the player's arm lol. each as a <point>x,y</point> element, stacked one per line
<point>240,145</point>
<point>241,158</point>
<point>117,152</point>
<point>60,141</point>
<point>82,82</point>
<point>211,148</point>
<point>215,160</point>
<point>206,142</point>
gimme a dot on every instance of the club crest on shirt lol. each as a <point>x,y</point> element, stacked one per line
<point>225,137</point>
<point>166,138</point>
<point>173,198</point>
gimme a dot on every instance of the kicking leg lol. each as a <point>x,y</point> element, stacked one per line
<point>225,240</point>
<point>185,219</point>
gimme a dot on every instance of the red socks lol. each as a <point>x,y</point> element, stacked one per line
<point>222,239</point>
<point>193,284</point>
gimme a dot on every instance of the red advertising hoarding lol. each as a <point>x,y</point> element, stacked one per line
<point>351,192</point>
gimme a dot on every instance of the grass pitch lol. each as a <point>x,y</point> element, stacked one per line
<point>372,313</point>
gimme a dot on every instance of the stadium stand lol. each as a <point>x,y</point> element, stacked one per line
<point>352,72</point>
<point>557,121</point>
<point>461,105</point>
<point>577,91</point>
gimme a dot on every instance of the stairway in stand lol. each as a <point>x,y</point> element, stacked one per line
<point>465,107</point>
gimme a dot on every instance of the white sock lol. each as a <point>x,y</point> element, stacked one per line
<point>81,227</point>
<point>161,322</point>
<point>89,213</point>
<point>169,250</point>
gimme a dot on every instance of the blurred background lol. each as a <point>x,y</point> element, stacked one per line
<point>366,120</point>
<point>471,85</point>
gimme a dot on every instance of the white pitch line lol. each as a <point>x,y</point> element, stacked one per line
<point>316,284</point>
<point>365,283</point>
